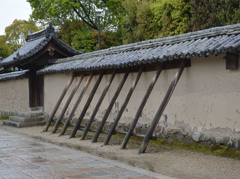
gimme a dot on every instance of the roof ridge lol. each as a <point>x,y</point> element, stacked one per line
<point>47,32</point>
<point>13,75</point>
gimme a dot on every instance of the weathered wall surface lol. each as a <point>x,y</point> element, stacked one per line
<point>53,87</point>
<point>14,96</point>
<point>204,106</point>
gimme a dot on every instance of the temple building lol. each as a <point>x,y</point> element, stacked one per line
<point>40,50</point>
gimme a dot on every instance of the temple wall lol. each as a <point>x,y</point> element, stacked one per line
<point>14,96</point>
<point>204,105</point>
<point>53,87</point>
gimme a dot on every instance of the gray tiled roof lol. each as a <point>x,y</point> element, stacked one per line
<point>13,75</point>
<point>35,42</point>
<point>214,41</point>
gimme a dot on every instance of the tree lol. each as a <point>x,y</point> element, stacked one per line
<point>171,16</point>
<point>59,11</point>
<point>78,35</point>
<point>17,32</point>
<point>5,49</point>
<point>212,13</point>
<point>231,12</point>
<point>130,21</point>
<point>205,14</point>
<point>148,19</point>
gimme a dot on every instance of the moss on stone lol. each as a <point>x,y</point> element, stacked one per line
<point>218,150</point>
<point>4,118</point>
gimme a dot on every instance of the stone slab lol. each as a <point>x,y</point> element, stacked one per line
<point>30,114</point>
<point>18,124</point>
<point>39,109</point>
<point>26,119</point>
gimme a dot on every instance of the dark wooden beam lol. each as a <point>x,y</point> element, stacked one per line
<point>231,61</point>
<point>58,103</point>
<point>90,97</point>
<point>161,108</point>
<point>67,123</point>
<point>57,123</point>
<point>124,105</point>
<point>98,105</point>
<point>142,104</point>
<point>104,119</point>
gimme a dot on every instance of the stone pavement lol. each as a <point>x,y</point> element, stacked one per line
<point>23,157</point>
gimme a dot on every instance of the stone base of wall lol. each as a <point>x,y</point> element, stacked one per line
<point>179,135</point>
<point>174,134</point>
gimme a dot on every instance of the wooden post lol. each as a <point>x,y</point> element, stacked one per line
<point>161,109</point>
<point>98,105</point>
<point>86,105</point>
<point>58,103</point>
<point>66,124</point>
<point>116,120</point>
<point>139,111</point>
<point>67,104</point>
<point>95,137</point>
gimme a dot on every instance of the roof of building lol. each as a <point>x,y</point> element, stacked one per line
<point>35,42</point>
<point>13,75</point>
<point>213,41</point>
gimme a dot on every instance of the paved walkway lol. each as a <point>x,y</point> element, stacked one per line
<point>22,157</point>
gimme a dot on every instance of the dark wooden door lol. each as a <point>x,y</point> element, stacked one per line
<point>36,86</point>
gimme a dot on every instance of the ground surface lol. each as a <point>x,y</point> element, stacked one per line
<point>22,157</point>
<point>171,162</point>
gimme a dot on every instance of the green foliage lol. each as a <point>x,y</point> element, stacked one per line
<point>130,21</point>
<point>59,11</point>
<point>231,12</point>
<point>17,32</point>
<point>108,39</point>
<point>78,35</point>
<point>212,13</point>
<point>171,16</point>
<point>138,23</point>
<point>205,14</point>
<point>5,49</point>
<point>155,18</point>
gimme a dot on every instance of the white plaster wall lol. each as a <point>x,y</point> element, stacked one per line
<point>53,87</point>
<point>14,95</point>
<point>207,97</point>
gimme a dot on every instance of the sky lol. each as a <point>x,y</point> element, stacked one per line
<point>11,10</point>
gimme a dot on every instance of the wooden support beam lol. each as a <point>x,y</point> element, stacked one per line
<point>139,111</point>
<point>161,109</point>
<point>104,119</point>
<point>98,105</point>
<point>57,123</point>
<point>58,104</point>
<point>86,105</point>
<point>66,124</point>
<point>124,105</point>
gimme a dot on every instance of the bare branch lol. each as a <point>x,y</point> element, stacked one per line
<point>86,13</point>
<point>93,26</point>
